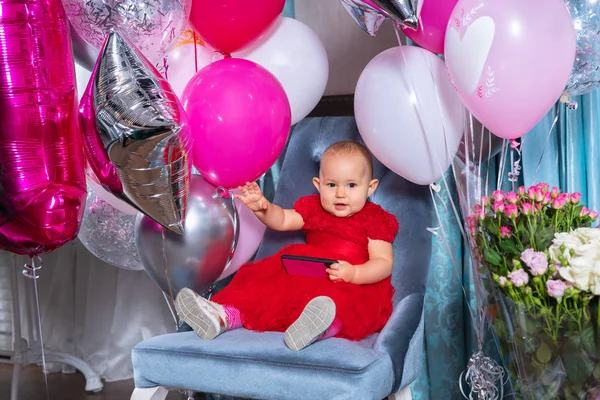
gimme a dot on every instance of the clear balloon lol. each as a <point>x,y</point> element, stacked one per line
<point>196,258</point>
<point>135,133</point>
<point>153,25</point>
<point>408,114</point>
<point>240,118</point>
<point>510,61</point>
<point>230,25</point>
<point>365,15</point>
<point>109,233</point>
<point>84,53</point>
<point>586,72</point>
<point>42,180</point>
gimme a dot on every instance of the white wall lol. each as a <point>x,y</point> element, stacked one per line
<point>348,47</point>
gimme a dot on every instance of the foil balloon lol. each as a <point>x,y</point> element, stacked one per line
<point>135,134</point>
<point>365,15</point>
<point>153,25</point>
<point>107,232</point>
<point>586,70</point>
<point>403,12</point>
<point>85,54</point>
<point>42,180</point>
<point>196,258</point>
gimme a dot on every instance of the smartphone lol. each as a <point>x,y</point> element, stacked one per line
<point>309,267</point>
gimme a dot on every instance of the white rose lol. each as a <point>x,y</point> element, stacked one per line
<point>569,240</point>
<point>595,281</point>
<point>587,234</point>
<point>578,272</point>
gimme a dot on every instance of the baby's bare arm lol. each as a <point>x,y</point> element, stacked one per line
<point>280,219</point>
<point>379,266</point>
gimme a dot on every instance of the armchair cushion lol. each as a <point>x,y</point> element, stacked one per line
<point>259,365</point>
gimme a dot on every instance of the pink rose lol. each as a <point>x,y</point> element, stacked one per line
<point>505,231</point>
<point>498,195</point>
<point>511,210</point>
<point>498,206</point>
<point>555,192</point>
<point>519,277</point>
<point>522,190</point>
<point>575,197</point>
<point>547,198</point>
<point>593,214</point>
<point>485,201</point>
<point>542,187</point>
<point>556,288</point>
<point>559,202</point>
<point>536,261</point>
<point>532,192</point>
<point>512,197</point>
<point>527,208</point>
<point>584,211</point>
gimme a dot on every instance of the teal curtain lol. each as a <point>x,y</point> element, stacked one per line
<point>288,10</point>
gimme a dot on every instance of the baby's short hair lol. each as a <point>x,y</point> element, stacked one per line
<point>351,147</point>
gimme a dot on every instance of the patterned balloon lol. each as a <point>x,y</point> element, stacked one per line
<point>42,181</point>
<point>107,232</point>
<point>586,70</point>
<point>153,25</point>
<point>135,134</point>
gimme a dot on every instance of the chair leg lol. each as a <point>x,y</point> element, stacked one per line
<point>155,393</point>
<point>403,394</point>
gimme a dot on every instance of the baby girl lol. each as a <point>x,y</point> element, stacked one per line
<point>354,301</point>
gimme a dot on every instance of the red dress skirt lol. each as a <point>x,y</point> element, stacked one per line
<point>271,300</point>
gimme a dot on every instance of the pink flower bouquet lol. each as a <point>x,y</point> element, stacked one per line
<point>541,256</point>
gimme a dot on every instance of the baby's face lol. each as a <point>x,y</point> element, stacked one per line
<point>344,183</point>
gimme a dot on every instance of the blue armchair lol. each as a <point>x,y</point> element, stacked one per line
<point>249,364</point>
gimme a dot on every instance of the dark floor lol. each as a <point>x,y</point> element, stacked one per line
<point>65,387</point>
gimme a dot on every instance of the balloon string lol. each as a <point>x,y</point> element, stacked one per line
<point>195,52</point>
<point>32,271</point>
<point>454,263</point>
<point>513,175</point>
<point>167,275</point>
<point>539,164</point>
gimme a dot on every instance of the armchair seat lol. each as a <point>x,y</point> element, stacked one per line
<point>259,365</point>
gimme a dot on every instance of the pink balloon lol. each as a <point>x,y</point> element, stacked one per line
<point>432,25</point>
<point>251,234</point>
<point>42,180</point>
<point>510,60</point>
<point>229,25</point>
<point>239,117</point>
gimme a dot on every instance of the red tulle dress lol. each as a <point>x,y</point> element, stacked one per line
<point>271,300</point>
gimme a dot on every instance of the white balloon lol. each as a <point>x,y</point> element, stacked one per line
<point>408,113</point>
<point>293,52</point>
<point>182,60</point>
<point>290,50</point>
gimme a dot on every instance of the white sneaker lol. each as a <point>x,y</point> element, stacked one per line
<point>206,318</point>
<point>317,316</point>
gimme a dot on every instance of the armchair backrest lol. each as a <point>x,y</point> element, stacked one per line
<point>410,203</point>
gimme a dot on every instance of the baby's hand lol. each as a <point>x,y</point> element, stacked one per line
<point>342,271</point>
<point>252,197</point>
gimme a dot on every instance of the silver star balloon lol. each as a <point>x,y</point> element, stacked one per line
<point>404,12</point>
<point>136,139</point>
<point>367,17</point>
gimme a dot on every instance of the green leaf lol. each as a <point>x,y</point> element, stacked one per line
<point>510,247</point>
<point>587,339</point>
<point>492,256</point>
<point>493,228</point>
<point>543,353</point>
<point>543,237</point>
<point>577,364</point>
